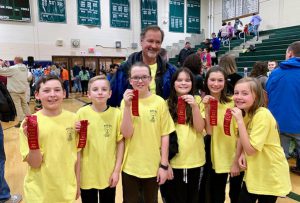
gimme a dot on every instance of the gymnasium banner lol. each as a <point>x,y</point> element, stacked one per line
<point>193,16</point>
<point>120,14</point>
<point>15,10</point>
<point>148,13</point>
<point>52,11</point>
<point>176,15</point>
<point>89,12</point>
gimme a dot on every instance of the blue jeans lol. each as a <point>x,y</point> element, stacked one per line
<point>77,84</point>
<point>255,29</point>
<point>66,87</point>
<point>4,189</point>
<point>285,140</point>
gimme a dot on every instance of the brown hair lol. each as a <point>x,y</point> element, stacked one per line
<point>227,62</point>
<point>257,90</point>
<point>46,78</point>
<point>259,68</point>
<point>295,48</point>
<point>139,64</point>
<point>152,27</point>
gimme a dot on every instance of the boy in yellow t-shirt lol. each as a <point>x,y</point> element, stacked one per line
<point>51,176</point>
<point>102,156</point>
<point>146,136</point>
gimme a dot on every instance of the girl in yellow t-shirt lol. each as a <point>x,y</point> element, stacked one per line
<point>187,164</point>
<point>146,136</point>
<point>223,147</point>
<point>267,171</point>
<point>101,159</point>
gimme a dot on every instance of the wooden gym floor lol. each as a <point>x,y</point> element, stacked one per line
<point>15,169</point>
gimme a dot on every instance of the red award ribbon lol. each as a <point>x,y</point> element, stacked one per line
<point>181,111</point>
<point>227,120</point>
<point>213,112</point>
<point>32,132</point>
<point>82,134</point>
<point>135,103</point>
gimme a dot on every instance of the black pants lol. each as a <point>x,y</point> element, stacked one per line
<point>136,190</point>
<point>218,186</point>
<point>84,86</point>
<point>205,193</point>
<point>106,195</point>
<point>214,61</point>
<point>246,197</point>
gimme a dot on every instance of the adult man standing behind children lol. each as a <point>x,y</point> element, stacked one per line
<point>284,99</point>
<point>161,71</point>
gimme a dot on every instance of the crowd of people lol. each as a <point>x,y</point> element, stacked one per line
<point>159,126</point>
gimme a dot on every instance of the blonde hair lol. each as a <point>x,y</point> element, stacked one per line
<point>98,77</point>
<point>257,90</point>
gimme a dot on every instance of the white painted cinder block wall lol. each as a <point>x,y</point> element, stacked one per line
<point>38,39</point>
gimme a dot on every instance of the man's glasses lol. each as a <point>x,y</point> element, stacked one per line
<point>143,78</point>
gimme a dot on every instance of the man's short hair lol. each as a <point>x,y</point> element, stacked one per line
<point>18,59</point>
<point>152,27</point>
<point>295,48</point>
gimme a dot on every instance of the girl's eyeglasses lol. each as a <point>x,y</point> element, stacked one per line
<point>143,78</point>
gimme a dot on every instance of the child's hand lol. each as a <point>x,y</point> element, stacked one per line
<point>77,126</point>
<point>170,173</point>
<point>235,169</point>
<point>190,100</point>
<point>237,113</point>
<point>162,176</point>
<point>78,193</point>
<point>242,162</point>
<point>206,99</point>
<point>127,96</point>
<point>114,179</point>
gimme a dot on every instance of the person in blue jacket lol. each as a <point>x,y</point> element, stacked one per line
<point>284,98</point>
<point>161,71</point>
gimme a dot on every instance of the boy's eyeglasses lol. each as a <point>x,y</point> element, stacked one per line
<point>143,78</point>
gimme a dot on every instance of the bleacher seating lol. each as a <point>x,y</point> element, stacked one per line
<point>273,48</point>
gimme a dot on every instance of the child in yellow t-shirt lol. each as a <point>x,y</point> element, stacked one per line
<point>146,136</point>
<point>51,176</point>
<point>102,156</point>
<point>267,171</point>
<point>223,147</point>
<point>187,164</point>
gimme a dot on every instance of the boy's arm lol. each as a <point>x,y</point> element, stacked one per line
<point>114,179</point>
<point>77,172</point>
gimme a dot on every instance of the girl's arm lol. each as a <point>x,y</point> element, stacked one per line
<point>127,124</point>
<point>162,174</point>
<point>198,121</point>
<point>244,138</point>
<point>114,179</point>
<point>77,172</point>
<point>205,101</point>
<point>35,158</point>
<point>235,169</point>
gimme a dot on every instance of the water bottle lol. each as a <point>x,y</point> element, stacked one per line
<point>245,72</point>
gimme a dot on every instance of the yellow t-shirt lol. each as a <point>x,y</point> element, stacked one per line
<point>55,180</point>
<point>99,155</point>
<point>191,152</point>
<point>267,171</point>
<point>223,147</point>
<point>142,150</point>
<point>152,86</point>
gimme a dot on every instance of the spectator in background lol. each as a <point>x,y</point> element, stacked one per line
<point>283,92</point>
<point>194,64</point>
<point>164,54</point>
<point>17,85</point>
<point>246,30</point>
<point>215,42</point>
<point>230,30</point>
<point>255,21</point>
<point>113,69</point>
<point>76,69</point>
<point>206,59</point>
<point>260,72</point>
<point>65,79</point>
<point>84,78</point>
<point>185,52</point>
<point>237,24</point>
<point>3,79</point>
<point>223,34</point>
<point>272,65</point>
<point>199,52</point>
<point>227,62</point>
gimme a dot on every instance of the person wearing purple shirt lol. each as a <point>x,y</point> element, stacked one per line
<point>255,21</point>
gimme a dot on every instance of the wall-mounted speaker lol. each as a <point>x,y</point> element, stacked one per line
<point>118,44</point>
<point>30,60</point>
